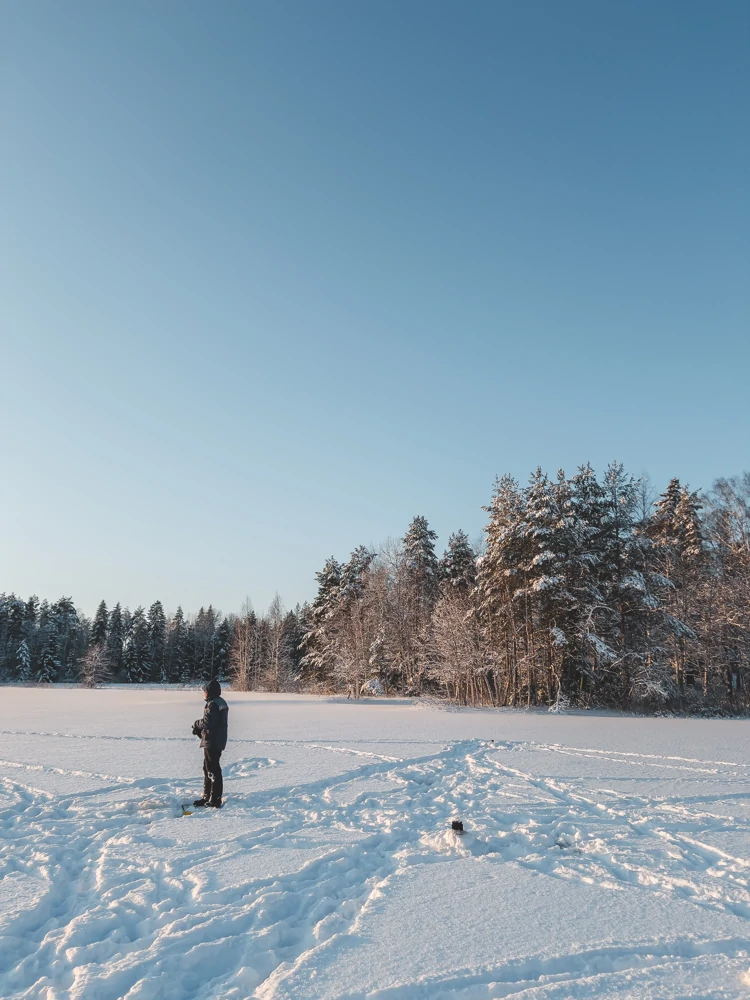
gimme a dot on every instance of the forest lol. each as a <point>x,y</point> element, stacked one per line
<point>584,591</point>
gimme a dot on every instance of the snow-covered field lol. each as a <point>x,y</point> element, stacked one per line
<point>603,856</point>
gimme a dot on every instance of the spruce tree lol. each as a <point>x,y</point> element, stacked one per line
<point>157,626</point>
<point>49,667</point>
<point>137,652</point>
<point>16,615</point>
<point>293,636</point>
<point>421,562</point>
<point>178,667</point>
<point>23,662</point>
<point>115,638</point>
<point>99,628</point>
<point>422,579</point>
<point>458,567</point>
<point>31,611</point>
<point>318,642</point>
<point>68,636</point>
<point>222,646</point>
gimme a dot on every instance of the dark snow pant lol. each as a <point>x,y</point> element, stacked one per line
<point>213,782</point>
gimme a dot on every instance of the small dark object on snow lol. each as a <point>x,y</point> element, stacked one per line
<point>457,825</point>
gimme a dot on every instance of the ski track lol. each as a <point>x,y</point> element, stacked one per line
<point>112,902</point>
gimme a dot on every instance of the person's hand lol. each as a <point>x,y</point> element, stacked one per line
<point>197,727</point>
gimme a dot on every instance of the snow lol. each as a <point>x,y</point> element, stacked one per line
<point>603,856</point>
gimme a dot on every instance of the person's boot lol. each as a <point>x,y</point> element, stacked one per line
<point>200,802</point>
<point>215,805</point>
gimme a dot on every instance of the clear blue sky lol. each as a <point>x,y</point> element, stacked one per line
<point>275,277</point>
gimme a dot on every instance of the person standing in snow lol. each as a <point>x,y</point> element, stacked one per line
<point>212,729</point>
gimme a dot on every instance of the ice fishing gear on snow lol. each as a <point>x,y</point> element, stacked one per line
<point>457,826</point>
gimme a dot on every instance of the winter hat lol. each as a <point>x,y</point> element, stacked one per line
<point>212,688</point>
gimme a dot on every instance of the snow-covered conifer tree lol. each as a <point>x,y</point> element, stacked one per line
<point>350,625</point>
<point>178,666</point>
<point>458,567</point>
<point>99,628</point>
<point>319,641</point>
<point>23,662</point>
<point>68,636</point>
<point>137,649</point>
<point>422,579</point>
<point>115,638</point>
<point>157,626</point>
<point>499,579</point>
<point>638,626</point>
<point>48,669</point>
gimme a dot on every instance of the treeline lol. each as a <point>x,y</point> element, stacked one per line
<point>586,591</point>
<point>44,643</point>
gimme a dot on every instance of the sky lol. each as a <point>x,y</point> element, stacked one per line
<point>276,277</point>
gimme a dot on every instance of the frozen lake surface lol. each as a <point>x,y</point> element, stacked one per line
<point>603,856</point>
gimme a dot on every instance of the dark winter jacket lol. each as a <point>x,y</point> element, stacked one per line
<point>213,726</point>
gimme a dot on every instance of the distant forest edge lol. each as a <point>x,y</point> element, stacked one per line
<point>587,591</point>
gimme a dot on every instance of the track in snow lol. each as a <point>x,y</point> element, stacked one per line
<point>120,898</point>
